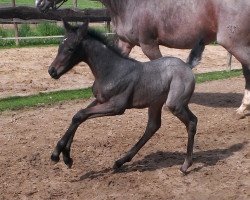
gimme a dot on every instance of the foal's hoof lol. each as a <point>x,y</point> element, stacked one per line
<point>240,116</point>
<point>117,165</point>
<point>68,161</point>
<point>55,158</point>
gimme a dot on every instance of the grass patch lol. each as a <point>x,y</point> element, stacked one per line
<point>15,103</point>
<point>211,76</point>
<point>25,30</point>
<point>41,29</point>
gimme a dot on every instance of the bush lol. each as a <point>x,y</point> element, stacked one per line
<point>47,29</point>
<point>42,29</point>
<point>24,30</point>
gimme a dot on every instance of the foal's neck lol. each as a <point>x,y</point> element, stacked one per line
<point>100,58</point>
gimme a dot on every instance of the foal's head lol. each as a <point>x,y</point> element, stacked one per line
<point>69,52</point>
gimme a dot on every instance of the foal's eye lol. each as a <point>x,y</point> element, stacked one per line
<point>71,50</point>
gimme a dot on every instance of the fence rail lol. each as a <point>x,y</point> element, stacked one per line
<point>31,37</point>
<point>39,37</point>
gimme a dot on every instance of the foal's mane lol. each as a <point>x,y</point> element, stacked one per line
<point>107,42</point>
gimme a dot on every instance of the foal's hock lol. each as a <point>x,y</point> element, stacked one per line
<point>122,83</point>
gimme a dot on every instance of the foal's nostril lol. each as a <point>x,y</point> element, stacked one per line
<point>52,71</point>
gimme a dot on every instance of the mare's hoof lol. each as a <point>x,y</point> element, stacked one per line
<point>240,115</point>
<point>55,158</point>
<point>184,171</point>
<point>185,167</point>
<point>68,162</point>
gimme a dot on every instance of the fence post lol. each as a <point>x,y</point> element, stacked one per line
<point>15,25</point>
<point>74,4</point>
<point>229,61</point>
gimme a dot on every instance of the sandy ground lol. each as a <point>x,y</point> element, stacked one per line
<point>221,168</point>
<point>24,71</point>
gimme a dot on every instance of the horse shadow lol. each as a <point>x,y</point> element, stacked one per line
<point>160,159</point>
<point>217,100</point>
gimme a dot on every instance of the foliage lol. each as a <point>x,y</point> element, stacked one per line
<point>41,29</point>
<point>81,4</point>
<point>47,29</point>
<point>24,30</point>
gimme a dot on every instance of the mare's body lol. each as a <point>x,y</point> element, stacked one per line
<point>179,24</point>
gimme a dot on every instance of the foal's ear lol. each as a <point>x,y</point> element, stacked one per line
<point>82,30</point>
<point>67,26</point>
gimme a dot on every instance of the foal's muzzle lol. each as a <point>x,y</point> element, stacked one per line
<point>53,73</point>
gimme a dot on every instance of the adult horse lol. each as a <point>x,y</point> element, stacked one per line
<point>179,24</point>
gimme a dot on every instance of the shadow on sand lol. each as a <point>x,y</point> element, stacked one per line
<point>161,160</point>
<point>217,100</point>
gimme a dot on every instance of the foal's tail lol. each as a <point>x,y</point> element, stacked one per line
<point>195,55</point>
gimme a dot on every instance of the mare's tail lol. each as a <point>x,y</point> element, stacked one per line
<point>195,55</point>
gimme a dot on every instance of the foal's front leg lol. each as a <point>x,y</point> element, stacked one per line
<point>93,110</point>
<point>66,151</point>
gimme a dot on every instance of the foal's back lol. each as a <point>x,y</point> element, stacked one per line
<point>158,76</point>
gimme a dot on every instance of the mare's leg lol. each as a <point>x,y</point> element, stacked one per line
<point>242,54</point>
<point>154,123</point>
<point>237,41</point>
<point>113,107</point>
<point>245,105</point>
<point>190,121</point>
<point>125,47</point>
<point>151,50</point>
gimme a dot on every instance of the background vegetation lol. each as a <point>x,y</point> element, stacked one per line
<point>41,29</point>
<point>81,3</point>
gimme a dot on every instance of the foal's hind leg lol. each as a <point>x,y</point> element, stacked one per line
<point>154,123</point>
<point>152,50</point>
<point>190,121</point>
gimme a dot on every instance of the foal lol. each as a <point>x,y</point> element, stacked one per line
<point>122,83</point>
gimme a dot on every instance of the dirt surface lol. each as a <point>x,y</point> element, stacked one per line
<point>221,168</point>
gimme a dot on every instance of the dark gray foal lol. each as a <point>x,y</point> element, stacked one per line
<point>122,83</point>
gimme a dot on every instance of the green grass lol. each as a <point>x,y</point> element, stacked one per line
<point>81,3</point>
<point>211,76</point>
<point>41,29</point>
<point>15,103</point>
